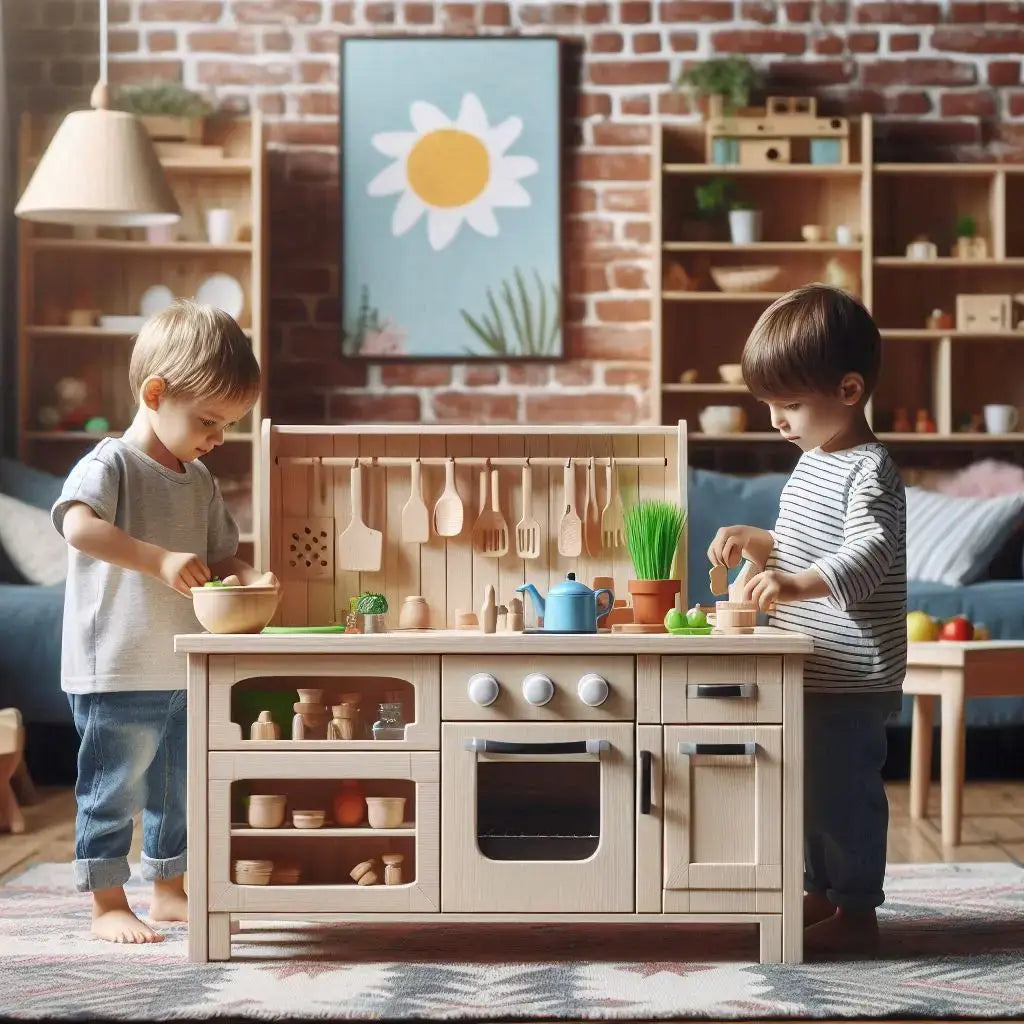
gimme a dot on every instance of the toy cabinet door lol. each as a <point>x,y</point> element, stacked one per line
<point>722,811</point>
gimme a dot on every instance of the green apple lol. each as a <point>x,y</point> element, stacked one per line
<point>213,583</point>
<point>695,617</point>
<point>674,619</point>
<point>921,626</point>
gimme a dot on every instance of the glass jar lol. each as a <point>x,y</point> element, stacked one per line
<point>391,724</point>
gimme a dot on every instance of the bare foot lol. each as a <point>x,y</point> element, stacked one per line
<point>113,920</point>
<point>170,901</point>
<point>846,935</point>
<point>816,908</point>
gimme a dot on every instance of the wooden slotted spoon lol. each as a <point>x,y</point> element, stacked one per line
<point>591,513</point>
<point>612,523</point>
<point>359,546</point>
<point>415,516</point>
<point>491,531</point>
<point>570,528</point>
<point>448,512</point>
<point>528,528</point>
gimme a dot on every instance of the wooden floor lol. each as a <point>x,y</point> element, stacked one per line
<point>993,828</point>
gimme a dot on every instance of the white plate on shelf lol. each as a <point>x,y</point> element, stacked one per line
<point>155,298</point>
<point>122,322</point>
<point>222,291</point>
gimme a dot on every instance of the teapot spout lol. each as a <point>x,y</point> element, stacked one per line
<point>534,595</point>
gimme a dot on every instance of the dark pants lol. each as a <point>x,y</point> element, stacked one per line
<point>846,813</point>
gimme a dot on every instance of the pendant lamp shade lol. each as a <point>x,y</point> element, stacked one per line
<point>100,168</point>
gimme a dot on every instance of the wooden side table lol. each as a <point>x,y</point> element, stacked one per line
<point>12,745</point>
<point>953,671</point>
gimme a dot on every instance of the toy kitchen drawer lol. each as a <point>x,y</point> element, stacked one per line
<point>336,832</point>
<point>721,690</point>
<point>324,702</point>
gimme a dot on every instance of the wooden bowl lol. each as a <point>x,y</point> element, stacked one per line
<point>385,811</point>
<point>266,810</point>
<point>253,872</point>
<point>307,819</point>
<point>744,279</point>
<point>731,373</point>
<point>234,609</point>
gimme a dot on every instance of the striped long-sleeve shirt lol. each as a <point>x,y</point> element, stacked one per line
<point>844,514</point>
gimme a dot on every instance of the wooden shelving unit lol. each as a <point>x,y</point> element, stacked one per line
<point>108,270</point>
<point>951,373</point>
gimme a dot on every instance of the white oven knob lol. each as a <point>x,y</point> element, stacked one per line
<point>538,689</point>
<point>482,689</point>
<point>592,689</point>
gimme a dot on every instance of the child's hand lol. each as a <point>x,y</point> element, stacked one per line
<point>181,570</point>
<point>734,542</point>
<point>773,587</point>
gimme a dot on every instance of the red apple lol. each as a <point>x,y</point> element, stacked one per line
<point>957,628</point>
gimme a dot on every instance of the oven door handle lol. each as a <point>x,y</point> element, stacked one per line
<point>485,746</point>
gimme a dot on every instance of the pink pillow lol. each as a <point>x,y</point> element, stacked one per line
<point>989,478</point>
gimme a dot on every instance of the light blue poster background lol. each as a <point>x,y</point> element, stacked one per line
<point>418,289</point>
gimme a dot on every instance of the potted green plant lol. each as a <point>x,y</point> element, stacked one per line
<point>723,85</point>
<point>744,222</point>
<point>373,608</point>
<point>968,245</point>
<point>167,110</point>
<point>713,199</point>
<point>653,529</point>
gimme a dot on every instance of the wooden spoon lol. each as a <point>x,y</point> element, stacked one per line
<point>591,513</point>
<point>415,515</point>
<point>359,546</point>
<point>570,528</point>
<point>448,512</point>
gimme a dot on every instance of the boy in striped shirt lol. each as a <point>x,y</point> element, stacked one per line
<point>834,568</point>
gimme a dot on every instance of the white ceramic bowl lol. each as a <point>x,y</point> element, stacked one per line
<point>731,373</point>
<point>266,810</point>
<point>307,819</point>
<point>234,609</point>
<point>385,811</point>
<point>744,279</point>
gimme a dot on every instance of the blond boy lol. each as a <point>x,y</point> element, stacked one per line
<point>835,568</point>
<point>145,521</point>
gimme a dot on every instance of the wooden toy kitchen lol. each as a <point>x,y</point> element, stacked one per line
<point>439,772</point>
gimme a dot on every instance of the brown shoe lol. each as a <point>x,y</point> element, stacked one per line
<point>816,908</point>
<point>846,935</point>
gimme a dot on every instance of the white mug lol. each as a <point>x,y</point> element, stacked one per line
<point>220,225</point>
<point>844,234</point>
<point>1001,419</point>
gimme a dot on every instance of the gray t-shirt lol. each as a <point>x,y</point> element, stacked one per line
<point>119,624</point>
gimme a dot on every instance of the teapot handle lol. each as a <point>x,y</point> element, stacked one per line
<point>611,601</point>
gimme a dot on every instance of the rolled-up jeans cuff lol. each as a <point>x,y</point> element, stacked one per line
<point>855,900</point>
<point>170,867</point>
<point>100,873</point>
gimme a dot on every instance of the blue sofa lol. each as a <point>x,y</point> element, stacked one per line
<point>718,499</point>
<point>30,616</point>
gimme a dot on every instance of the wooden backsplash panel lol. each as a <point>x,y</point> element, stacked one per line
<point>451,573</point>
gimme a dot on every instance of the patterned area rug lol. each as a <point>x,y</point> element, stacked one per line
<point>953,942</point>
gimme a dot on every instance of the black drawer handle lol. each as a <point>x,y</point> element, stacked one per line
<point>717,748</point>
<point>745,691</point>
<point>484,746</point>
<point>646,774</point>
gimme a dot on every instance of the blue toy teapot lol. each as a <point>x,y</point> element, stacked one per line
<point>571,606</point>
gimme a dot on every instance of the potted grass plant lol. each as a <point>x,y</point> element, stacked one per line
<point>373,608</point>
<point>653,529</point>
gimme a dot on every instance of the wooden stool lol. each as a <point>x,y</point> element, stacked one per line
<point>12,744</point>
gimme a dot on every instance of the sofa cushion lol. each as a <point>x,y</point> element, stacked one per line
<point>722,499</point>
<point>953,540</point>
<point>30,643</point>
<point>32,486</point>
<point>37,550</point>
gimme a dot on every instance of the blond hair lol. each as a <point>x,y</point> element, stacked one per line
<point>807,340</point>
<point>199,351</point>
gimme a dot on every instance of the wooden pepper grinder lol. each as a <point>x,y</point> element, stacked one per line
<point>516,623</point>
<point>489,611</point>
<point>392,868</point>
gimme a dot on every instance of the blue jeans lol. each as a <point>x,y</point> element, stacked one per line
<point>132,759</point>
<point>846,813</point>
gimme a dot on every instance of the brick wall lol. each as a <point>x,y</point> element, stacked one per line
<point>944,78</point>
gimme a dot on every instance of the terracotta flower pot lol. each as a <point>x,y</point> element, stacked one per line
<point>349,804</point>
<point>653,599</point>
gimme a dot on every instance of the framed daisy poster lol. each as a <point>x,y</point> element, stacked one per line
<point>451,198</point>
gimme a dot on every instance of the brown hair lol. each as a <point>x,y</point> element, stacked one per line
<point>200,352</point>
<point>808,340</point>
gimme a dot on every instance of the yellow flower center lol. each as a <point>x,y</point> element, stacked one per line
<point>448,167</point>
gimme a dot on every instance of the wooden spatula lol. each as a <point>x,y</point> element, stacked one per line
<point>359,546</point>
<point>448,512</point>
<point>570,528</point>
<point>415,516</point>
<point>491,530</point>
<point>528,528</point>
<point>612,523</point>
<point>591,514</point>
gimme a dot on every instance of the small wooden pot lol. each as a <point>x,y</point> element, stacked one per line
<point>734,616</point>
<point>266,810</point>
<point>415,613</point>
<point>253,872</point>
<point>307,819</point>
<point>385,811</point>
<point>653,599</point>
